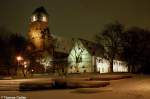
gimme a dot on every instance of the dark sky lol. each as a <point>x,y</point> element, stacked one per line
<point>75,18</point>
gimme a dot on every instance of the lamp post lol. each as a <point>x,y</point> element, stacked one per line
<point>19,59</point>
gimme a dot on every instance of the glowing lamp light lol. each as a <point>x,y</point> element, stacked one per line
<point>19,58</point>
<point>25,66</point>
<point>25,63</point>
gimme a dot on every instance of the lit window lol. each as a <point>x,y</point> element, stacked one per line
<point>34,18</point>
<point>44,18</point>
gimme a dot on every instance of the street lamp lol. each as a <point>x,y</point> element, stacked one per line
<point>19,58</point>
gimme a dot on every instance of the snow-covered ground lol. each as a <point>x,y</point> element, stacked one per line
<point>137,87</point>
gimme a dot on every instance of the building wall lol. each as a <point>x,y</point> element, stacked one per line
<point>120,66</point>
<point>35,33</point>
<point>85,61</point>
<point>89,63</point>
<point>103,66</point>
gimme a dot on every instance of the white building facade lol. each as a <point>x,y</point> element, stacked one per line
<point>81,59</point>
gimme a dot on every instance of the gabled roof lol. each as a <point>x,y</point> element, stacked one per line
<point>93,48</point>
<point>63,44</point>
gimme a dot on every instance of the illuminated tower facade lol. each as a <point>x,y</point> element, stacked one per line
<point>38,28</point>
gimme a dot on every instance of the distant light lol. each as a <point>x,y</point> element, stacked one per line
<point>19,58</point>
<point>25,63</point>
<point>25,66</point>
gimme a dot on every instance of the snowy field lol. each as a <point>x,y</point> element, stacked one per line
<point>137,87</point>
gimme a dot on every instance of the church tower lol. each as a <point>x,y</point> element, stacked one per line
<point>38,28</point>
<point>41,48</point>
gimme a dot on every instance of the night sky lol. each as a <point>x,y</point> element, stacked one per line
<point>75,18</point>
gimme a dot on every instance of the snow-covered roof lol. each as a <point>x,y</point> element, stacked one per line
<point>93,48</point>
<point>63,44</point>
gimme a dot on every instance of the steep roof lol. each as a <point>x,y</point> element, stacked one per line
<point>93,48</point>
<point>63,44</point>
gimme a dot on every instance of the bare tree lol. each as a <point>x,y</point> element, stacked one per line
<point>77,53</point>
<point>136,52</point>
<point>111,40</point>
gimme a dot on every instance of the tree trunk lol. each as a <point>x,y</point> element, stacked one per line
<point>111,66</point>
<point>130,68</point>
<point>133,68</point>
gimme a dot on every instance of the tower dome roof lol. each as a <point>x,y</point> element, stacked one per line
<point>40,15</point>
<point>40,10</point>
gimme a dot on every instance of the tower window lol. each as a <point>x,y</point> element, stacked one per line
<point>44,18</point>
<point>34,18</point>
